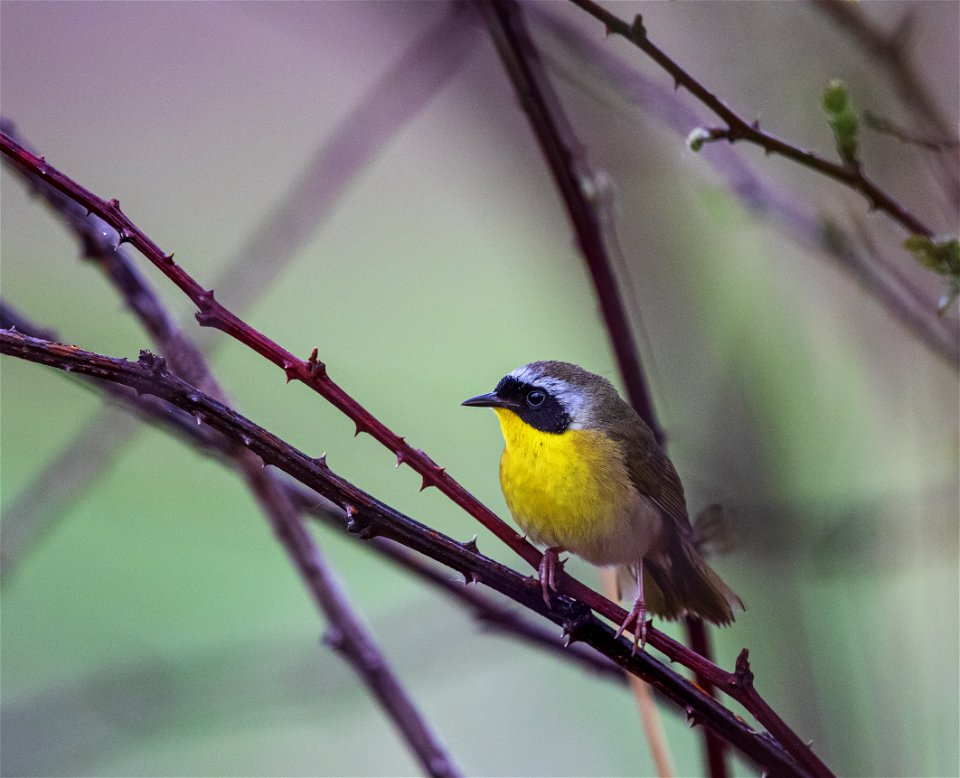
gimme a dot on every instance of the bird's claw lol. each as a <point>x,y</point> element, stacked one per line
<point>636,622</point>
<point>549,564</point>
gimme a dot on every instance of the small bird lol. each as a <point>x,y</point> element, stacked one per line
<point>582,472</point>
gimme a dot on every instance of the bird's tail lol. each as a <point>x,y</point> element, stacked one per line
<point>681,583</point>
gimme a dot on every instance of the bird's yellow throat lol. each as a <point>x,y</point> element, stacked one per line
<point>565,489</point>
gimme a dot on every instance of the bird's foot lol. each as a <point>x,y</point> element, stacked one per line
<point>636,622</point>
<point>549,565</point>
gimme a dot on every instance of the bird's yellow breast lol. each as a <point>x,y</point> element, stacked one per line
<point>569,489</point>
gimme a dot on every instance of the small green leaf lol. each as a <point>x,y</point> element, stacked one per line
<point>941,256</point>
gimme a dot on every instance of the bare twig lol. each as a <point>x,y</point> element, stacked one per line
<point>738,129</point>
<point>346,633</point>
<point>887,127</point>
<point>313,374</point>
<point>574,180</point>
<point>367,517</point>
<point>906,303</point>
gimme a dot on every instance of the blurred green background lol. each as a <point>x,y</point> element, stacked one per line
<point>157,628</point>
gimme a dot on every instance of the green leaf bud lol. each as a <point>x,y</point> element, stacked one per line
<point>835,97</point>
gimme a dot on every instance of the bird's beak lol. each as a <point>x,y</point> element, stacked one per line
<point>489,400</point>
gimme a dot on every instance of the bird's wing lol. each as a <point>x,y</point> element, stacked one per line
<point>653,474</point>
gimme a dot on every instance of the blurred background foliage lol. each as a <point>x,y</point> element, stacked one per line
<point>157,628</point>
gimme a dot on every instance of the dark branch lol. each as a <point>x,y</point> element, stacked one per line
<point>366,517</point>
<point>488,612</point>
<point>313,374</point>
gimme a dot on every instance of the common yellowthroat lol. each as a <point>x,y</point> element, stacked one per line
<point>582,472</point>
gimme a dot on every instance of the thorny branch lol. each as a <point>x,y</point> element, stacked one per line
<point>380,112</point>
<point>366,517</point>
<point>313,374</point>
<point>183,426</point>
<point>346,632</point>
<point>738,129</point>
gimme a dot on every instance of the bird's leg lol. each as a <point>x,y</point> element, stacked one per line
<point>549,564</point>
<point>636,621</point>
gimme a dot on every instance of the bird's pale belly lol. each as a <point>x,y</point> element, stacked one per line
<point>572,490</point>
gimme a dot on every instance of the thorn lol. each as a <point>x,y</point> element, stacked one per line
<point>321,461</point>
<point>401,458</point>
<point>637,30</point>
<point>569,634</point>
<point>676,84</point>
<point>356,525</point>
<point>168,258</point>
<point>573,628</point>
<point>692,718</point>
<point>471,545</point>
<point>743,675</point>
<point>469,577</point>
<point>360,427</point>
<point>114,203</point>
<point>425,483</point>
<point>205,303</point>
<point>333,638</point>
<point>290,368</point>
